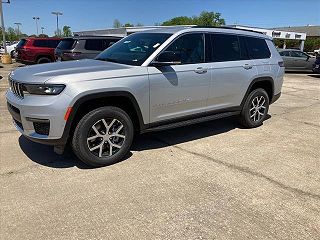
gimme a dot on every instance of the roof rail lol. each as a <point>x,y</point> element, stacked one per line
<point>233,28</point>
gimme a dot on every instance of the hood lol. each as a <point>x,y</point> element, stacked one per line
<point>43,72</point>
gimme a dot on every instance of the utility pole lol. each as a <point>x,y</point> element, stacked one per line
<point>57,14</point>
<point>2,27</point>
<point>37,19</point>
<point>42,28</point>
<point>18,27</point>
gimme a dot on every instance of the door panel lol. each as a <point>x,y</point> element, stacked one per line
<point>177,90</point>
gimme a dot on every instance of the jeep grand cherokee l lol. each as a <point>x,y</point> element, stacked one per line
<point>148,81</point>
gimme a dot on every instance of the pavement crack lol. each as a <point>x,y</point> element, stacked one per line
<point>245,170</point>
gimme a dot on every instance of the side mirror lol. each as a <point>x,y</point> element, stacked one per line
<point>167,58</point>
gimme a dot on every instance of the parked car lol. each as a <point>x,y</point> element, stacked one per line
<point>36,50</point>
<point>148,81</point>
<point>316,66</point>
<point>83,47</point>
<point>10,49</point>
<point>296,60</point>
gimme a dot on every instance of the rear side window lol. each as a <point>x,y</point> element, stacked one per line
<point>227,48</point>
<point>94,44</point>
<point>257,48</point>
<point>66,44</point>
<point>21,43</point>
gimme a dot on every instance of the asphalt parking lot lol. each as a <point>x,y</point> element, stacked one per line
<point>214,180</point>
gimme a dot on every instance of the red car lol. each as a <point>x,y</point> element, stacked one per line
<point>36,50</point>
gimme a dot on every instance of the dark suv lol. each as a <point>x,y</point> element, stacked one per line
<point>36,50</point>
<point>83,47</point>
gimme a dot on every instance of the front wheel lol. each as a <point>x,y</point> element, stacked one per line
<point>103,136</point>
<point>255,108</point>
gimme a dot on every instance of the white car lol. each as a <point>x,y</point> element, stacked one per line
<point>10,49</point>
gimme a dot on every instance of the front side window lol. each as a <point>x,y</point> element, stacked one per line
<point>190,47</point>
<point>134,49</point>
<point>285,54</point>
<point>257,48</point>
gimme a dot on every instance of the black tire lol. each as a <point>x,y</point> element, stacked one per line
<point>44,60</point>
<point>12,54</point>
<point>247,112</point>
<point>85,128</point>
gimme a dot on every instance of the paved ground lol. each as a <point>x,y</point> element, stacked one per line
<point>209,181</point>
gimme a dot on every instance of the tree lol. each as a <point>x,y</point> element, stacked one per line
<point>57,33</point>
<point>11,34</point>
<point>208,19</point>
<point>128,25</point>
<point>116,23</point>
<point>42,35</point>
<point>66,31</point>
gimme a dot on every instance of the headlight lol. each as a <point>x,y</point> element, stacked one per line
<point>43,89</point>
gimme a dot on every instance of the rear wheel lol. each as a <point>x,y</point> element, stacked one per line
<point>44,60</point>
<point>255,108</point>
<point>103,136</point>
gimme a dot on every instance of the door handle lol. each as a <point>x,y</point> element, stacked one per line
<point>247,66</point>
<point>201,70</point>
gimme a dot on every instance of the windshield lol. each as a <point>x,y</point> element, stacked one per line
<point>134,49</point>
<point>66,44</point>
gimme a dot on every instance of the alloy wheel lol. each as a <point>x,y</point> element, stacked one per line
<point>257,108</point>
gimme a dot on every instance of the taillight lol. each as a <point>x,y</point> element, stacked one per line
<point>281,64</point>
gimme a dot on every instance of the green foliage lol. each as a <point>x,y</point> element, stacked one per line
<point>57,33</point>
<point>310,44</point>
<point>116,23</point>
<point>42,35</point>
<point>11,34</point>
<point>66,31</point>
<point>128,25</point>
<point>208,19</point>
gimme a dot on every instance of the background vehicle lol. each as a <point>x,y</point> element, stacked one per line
<point>316,66</point>
<point>83,47</point>
<point>296,60</point>
<point>36,50</point>
<point>148,81</point>
<point>10,49</point>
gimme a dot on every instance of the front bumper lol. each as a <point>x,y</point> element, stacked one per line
<point>39,118</point>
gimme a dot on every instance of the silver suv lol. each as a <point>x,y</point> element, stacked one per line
<point>148,81</point>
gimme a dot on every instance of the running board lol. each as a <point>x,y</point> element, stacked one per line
<point>191,121</point>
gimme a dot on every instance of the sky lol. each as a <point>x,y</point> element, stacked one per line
<point>99,14</point>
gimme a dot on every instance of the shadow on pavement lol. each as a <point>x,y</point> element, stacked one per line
<point>44,155</point>
<point>314,75</point>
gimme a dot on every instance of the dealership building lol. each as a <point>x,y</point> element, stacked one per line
<point>286,33</point>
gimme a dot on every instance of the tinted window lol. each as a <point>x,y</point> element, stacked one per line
<point>109,42</point>
<point>190,47</point>
<point>94,44</point>
<point>134,49</point>
<point>21,43</point>
<point>66,44</point>
<point>257,48</point>
<point>298,54</point>
<point>228,48</point>
<point>46,43</point>
<point>284,53</point>
<point>40,43</point>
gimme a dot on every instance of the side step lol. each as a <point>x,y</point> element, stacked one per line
<point>192,121</point>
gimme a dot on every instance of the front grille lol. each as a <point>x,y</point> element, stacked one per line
<point>16,88</point>
<point>19,124</point>
<point>41,128</point>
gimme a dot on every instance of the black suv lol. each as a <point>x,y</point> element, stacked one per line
<point>76,48</point>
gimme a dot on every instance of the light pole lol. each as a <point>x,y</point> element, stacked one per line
<point>2,27</point>
<point>18,27</point>
<point>57,14</point>
<point>42,28</point>
<point>37,19</point>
